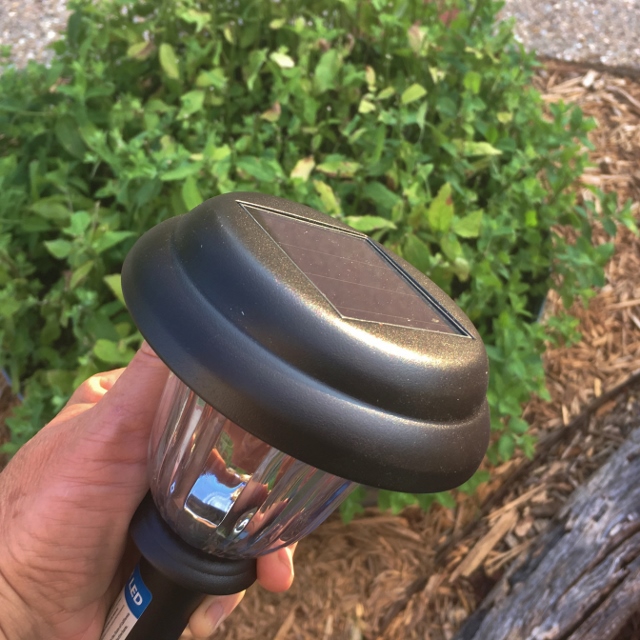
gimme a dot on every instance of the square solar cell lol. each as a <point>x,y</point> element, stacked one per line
<point>355,277</point>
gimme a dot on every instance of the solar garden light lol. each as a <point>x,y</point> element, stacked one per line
<point>305,358</point>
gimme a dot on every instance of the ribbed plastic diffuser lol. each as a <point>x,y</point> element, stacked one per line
<point>225,491</point>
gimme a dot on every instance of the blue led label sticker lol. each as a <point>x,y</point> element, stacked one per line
<point>136,593</point>
<point>127,609</point>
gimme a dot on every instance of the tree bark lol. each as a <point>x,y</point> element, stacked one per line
<point>581,580</point>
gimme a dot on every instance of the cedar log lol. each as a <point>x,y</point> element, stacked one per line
<point>581,579</point>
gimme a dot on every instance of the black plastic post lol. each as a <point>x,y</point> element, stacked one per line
<point>177,576</point>
<point>170,608</point>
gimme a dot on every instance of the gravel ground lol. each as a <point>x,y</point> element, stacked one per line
<point>589,31</point>
<point>29,26</point>
<point>604,32</point>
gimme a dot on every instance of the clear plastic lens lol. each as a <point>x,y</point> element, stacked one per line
<point>225,491</point>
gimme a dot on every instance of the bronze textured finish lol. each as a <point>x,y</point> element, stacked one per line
<point>293,349</point>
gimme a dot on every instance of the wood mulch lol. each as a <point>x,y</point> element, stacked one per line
<point>421,575</point>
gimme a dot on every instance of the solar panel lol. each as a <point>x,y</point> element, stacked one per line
<point>352,274</point>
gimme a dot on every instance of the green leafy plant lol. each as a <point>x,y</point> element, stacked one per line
<point>412,120</point>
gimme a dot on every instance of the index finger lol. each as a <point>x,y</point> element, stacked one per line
<point>92,389</point>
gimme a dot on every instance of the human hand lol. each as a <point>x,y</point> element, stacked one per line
<point>66,500</point>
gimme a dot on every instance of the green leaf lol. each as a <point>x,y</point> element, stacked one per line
<point>251,71</point>
<point>399,501</point>
<point>437,74</point>
<point>59,248</point>
<point>326,72</point>
<point>110,239</point>
<point>277,24</point>
<point>518,425</point>
<point>478,478</point>
<point>303,168</point>
<point>169,61</point>
<point>223,152</point>
<point>370,77</point>
<point>504,117</point>
<point>385,93</point>
<point>506,446</point>
<point>114,282</point>
<point>81,273</point>
<point>606,251</point>
<point>213,78</point>
<point>531,218</point>
<point>200,18</point>
<point>353,504</point>
<point>140,50</point>
<point>181,172</point>
<point>609,226</point>
<point>472,81</point>
<point>461,268</point>
<point>383,199</point>
<point>79,223</point>
<point>191,194</point>
<point>229,34</point>
<point>51,209</point>
<point>446,500</point>
<point>338,167</point>
<point>366,106</point>
<point>273,114</point>
<point>470,148</point>
<point>68,135</point>
<point>451,248</point>
<point>413,93</point>
<point>191,102</point>
<point>116,353</point>
<point>257,168</point>
<point>368,223</point>
<point>282,60</point>
<point>469,226</point>
<point>440,212</point>
<point>417,253</point>
<point>328,197</point>
<point>8,306</point>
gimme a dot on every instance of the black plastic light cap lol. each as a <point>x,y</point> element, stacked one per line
<point>182,564</point>
<point>315,339</point>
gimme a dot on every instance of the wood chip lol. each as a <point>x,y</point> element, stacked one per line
<point>624,305</point>
<point>511,506</point>
<point>286,625</point>
<point>485,545</point>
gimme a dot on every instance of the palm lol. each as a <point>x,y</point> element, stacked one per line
<point>69,531</point>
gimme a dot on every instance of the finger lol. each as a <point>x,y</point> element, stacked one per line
<point>275,570</point>
<point>86,396</point>
<point>127,409</point>
<point>92,390</point>
<point>116,435</point>
<point>212,613</point>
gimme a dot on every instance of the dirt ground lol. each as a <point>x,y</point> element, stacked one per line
<point>420,575</point>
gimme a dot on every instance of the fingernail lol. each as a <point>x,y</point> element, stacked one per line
<point>215,615</point>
